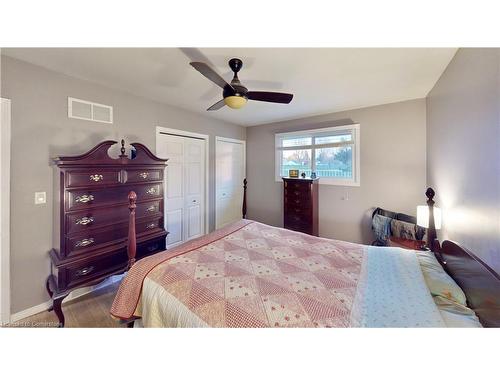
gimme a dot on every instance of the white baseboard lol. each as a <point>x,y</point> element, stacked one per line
<point>73,295</point>
<point>30,311</point>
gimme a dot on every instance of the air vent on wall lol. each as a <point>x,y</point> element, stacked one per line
<point>85,110</point>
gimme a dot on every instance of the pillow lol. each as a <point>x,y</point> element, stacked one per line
<point>440,284</point>
<point>421,234</point>
<point>402,229</point>
<point>381,226</point>
<point>456,315</point>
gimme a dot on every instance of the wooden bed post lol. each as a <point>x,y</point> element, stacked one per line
<point>431,231</point>
<point>132,242</point>
<point>244,208</point>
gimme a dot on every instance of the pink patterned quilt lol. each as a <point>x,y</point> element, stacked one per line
<point>253,275</point>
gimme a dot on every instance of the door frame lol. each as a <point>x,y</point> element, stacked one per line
<point>183,133</point>
<point>5,146</point>
<point>231,140</point>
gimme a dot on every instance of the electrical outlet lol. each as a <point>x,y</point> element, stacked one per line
<point>345,196</point>
<point>40,197</point>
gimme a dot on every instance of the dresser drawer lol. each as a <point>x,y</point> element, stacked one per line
<point>148,248</point>
<point>141,175</point>
<point>301,186</point>
<point>90,269</point>
<point>89,241</point>
<point>92,178</point>
<point>297,193</point>
<point>303,211</point>
<point>298,227</point>
<point>297,220</point>
<point>80,199</point>
<point>297,202</point>
<point>98,217</point>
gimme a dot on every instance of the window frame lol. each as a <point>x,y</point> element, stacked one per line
<point>356,165</point>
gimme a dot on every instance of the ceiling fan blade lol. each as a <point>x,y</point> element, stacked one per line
<point>266,96</point>
<point>211,74</point>
<point>217,105</point>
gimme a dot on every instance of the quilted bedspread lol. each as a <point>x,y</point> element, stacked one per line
<point>253,275</point>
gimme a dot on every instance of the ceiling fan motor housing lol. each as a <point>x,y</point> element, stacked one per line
<point>236,88</point>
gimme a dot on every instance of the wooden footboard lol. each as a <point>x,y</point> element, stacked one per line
<point>132,239</point>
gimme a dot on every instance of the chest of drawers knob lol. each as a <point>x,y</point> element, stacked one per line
<point>96,177</point>
<point>151,191</point>
<point>84,198</point>
<point>84,220</point>
<point>84,271</point>
<point>151,226</point>
<point>85,242</point>
<point>143,175</point>
<point>151,208</point>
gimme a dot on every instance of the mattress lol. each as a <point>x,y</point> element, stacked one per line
<point>249,274</point>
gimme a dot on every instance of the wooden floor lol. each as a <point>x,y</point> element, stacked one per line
<point>90,310</point>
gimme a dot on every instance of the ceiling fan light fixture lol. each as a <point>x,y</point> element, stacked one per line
<point>235,101</point>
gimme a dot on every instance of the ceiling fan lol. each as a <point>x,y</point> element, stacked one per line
<point>234,94</point>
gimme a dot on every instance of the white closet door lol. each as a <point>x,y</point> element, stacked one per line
<point>172,147</point>
<point>184,188</point>
<point>194,164</point>
<point>230,172</point>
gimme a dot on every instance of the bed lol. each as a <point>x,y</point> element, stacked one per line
<point>249,274</point>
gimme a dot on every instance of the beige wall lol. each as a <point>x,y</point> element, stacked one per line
<point>41,129</point>
<point>463,151</point>
<point>392,169</point>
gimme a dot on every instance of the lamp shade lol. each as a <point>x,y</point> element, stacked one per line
<point>423,217</point>
<point>235,102</point>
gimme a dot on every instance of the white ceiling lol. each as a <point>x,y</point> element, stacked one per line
<point>323,80</point>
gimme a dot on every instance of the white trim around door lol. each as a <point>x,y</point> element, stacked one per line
<point>182,133</point>
<point>5,139</point>
<point>244,172</point>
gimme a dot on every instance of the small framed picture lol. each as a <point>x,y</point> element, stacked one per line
<point>293,173</point>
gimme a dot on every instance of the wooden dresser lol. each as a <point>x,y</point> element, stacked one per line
<point>93,215</point>
<point>300,199</point>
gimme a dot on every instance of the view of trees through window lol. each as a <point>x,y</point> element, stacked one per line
<point>335,161</point>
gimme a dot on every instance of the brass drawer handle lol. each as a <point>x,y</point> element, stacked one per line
<point>151,226</point>
<point>84,198</point>
<point>152,248</point>
<point>84,271</point>
<point>84,220</point>
<point>85,242</point>
<point>151,208</point>
<point>144,175</point>
<point>151,191</point>
<point>96,177</point>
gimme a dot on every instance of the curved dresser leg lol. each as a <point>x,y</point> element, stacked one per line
<point>47,286</point>
<point>56,305</point>
<point>49,291</point>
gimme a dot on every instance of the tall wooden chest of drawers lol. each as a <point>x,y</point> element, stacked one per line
<point>92,207</point>
<point>300,199</point>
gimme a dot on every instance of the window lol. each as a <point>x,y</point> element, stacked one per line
<point>333,153</point>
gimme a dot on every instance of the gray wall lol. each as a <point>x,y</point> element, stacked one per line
<point>392,169</point>
<point>463,151</point>
<point>41,129</point>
